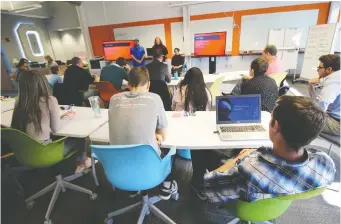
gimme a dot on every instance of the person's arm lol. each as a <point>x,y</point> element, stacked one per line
<point>176,98</point>
<point>165,50</point>
<point>232,162</point>
<point>132,55</point>
<point>161,125</point>
<point>168,75</point>
<point>328,94</point>
<point>56,122</point>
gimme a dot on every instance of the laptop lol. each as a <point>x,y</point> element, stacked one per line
<point>239,118</point>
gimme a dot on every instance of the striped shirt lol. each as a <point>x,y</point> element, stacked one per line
<point>262,175</point>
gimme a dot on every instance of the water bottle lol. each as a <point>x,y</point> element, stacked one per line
<point>184,68</point>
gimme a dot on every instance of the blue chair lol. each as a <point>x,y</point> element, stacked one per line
<point>135,168</point>
<point>184,153</point>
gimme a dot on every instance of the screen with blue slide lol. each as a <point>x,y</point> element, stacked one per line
<point>238,109</point>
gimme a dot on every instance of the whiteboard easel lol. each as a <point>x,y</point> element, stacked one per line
<point>320,42</point>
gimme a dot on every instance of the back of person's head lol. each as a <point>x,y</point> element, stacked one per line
<point>299,120</point>
<point>138,76</point>
<point>259,66</point>
<point>22,61</point>
<point>331,61</point>
<point>195,94</point>
<point>75,60</point>
<point>121,61</point>
<point>48,58</point>
<point>157,55</point>
<point>33,89</point>
<point>54,69</point>
<point>271,49</point>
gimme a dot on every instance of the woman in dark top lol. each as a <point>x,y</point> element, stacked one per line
<point>177,61</point>
<point>159,48</point>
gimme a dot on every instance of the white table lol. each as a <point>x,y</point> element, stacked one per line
<point>82,124</point>
<point>194,133</point>
<point>7,104</point>
<point>229,76</point>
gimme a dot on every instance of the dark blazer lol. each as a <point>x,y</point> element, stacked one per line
<point>160,88</point>
<point>158,71</point>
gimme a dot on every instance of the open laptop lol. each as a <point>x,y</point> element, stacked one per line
<point>239,118</point>
<point>149,51</point>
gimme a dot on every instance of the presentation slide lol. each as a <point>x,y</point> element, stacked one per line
<point>210,44</point>
<point>239,109</point>
<point>116,49</point>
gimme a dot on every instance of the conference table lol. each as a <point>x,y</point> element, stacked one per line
<point>80,126</point>
<point>194,132</point>
<point>7,104</point>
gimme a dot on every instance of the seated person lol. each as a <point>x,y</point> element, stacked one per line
<point>50,62</point>
<point>259,83</point>
<point>177,62</point>
<point>54,77</point>
<point>77,81</point>
<point>192,95</point>
<point>329,96</point>
<point>37,113</point>
<point>270,54</point>
<point>286,168</point>
<point>157,69</point>
<point>21,66</point>
<point>114,74</point>
<point>123,64</point>
<point>143,117</point>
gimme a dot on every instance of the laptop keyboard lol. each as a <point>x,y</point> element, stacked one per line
<point>248,128</point>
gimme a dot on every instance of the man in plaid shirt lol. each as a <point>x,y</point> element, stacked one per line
<point>287,168</point>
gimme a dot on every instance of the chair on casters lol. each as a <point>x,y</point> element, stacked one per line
<point>106,91</point>
<point>135,168</point>
<point>215,88</point>
<point>33,154</point>
<point>266,209</point>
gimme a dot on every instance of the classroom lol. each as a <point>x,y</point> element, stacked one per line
<point>186,112</point>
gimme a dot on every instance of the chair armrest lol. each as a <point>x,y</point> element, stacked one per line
<point>172,152</point>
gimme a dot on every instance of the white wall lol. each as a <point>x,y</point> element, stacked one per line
<point>64,16</point>
<point>73,44</point>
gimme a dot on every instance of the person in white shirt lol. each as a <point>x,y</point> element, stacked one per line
<point>329,96</point>
<point>192,94</point>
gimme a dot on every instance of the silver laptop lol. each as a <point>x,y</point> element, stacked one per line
<point>239,118</point>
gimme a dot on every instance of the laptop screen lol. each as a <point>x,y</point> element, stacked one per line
<point>238,109</point>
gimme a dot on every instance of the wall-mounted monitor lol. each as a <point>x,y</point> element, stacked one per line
<point>210,44</point>
<point>117,48</point>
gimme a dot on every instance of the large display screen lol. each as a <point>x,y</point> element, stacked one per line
<point>210,44</point>
<point>116,49</point>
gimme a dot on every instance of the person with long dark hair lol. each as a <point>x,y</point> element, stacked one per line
<point>192,95</point>
<point>159,48</point>
<point>37,113</point>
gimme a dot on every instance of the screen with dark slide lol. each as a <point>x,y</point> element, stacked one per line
<point>241,109</point>
<point>210,44</point>
<point>116,49</point>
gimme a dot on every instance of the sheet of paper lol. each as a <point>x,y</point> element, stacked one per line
<point>276,37</point>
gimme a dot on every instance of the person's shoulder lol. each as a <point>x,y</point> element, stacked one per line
<point>53,99</point>
<point>118,96</point>
<point>323,157</point>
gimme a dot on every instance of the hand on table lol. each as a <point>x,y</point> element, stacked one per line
<point>314,81</point>
<point>69,114</point>
<point>159,139</point>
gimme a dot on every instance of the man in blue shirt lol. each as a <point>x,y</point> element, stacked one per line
<point>137,53</point>
<point>328,98</point>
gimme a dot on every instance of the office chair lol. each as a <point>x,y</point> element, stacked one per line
<point>265,209</point>
<point>135,168</point>
<point>32,154</point>
<point>215,88</point>
<point>106,91</point>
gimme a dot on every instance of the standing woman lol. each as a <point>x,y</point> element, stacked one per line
<point>37,114</point>
<point>50,62</point>
<point>159,48</point>
<point>192,95</point>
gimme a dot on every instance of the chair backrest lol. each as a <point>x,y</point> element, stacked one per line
<point>31,153</point>
<point>106,90</point>
<point>132,167</point>
<point>160,87</point>
<point>215,88</point>
<point>278,77</point>
<point>267,209</point>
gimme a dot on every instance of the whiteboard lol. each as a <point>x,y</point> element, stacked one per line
<point>292,37</point>
<point>289,59</point>
<point>320,42</point>
<point>177,36</point>
<point>212,25</point>
<point>276,37</point>
<point>255,28</point>
<point>146,34</point>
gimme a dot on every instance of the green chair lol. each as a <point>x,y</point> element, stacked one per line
<point>33,154</point>
<point>266,209</point>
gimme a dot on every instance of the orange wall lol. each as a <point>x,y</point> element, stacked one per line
<point>98,34</point>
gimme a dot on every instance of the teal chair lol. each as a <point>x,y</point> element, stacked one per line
<point>266,209</point>
<point>33,154</point>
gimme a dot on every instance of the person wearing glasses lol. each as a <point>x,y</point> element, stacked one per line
<point>328,97</point>
<point>22,66</point>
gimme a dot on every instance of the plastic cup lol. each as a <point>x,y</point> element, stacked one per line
<point>94,102</point>
<point>176,75</point>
